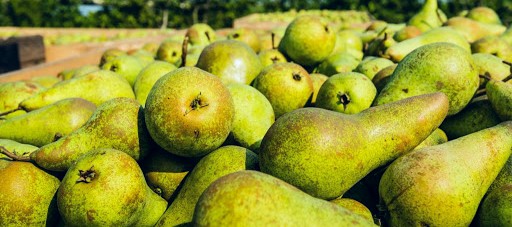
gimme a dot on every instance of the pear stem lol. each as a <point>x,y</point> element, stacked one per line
<point>273,35</point>
<point>13,156</point>
<point>10,111</point>
<point>507,78</point>
<point>184,50</point>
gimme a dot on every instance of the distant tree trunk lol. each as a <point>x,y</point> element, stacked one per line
<point>165,19</point>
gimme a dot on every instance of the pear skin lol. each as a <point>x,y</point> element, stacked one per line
<point>12,93</point>
<point>473,30</point>
<point>427,18</point>
<point>354,206</point>
<point>500,95</point>
<point>225,160</point>
<point>251,198</point>
<point>443,185</point>
<point>496,208</point>
<point>307,147</point>
<point>49,123</point>
<point>437,137</point>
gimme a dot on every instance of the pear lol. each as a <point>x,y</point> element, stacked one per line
<point>28,195</point>
<point>504,177</point>
<point>223,161</point>
<point>84,70</point>
<point>164,171</point>
<point>438,136</point>
<point>45,81</point>
<point>500,95</point>
<point>382,77</point>
<point>474,117</point>
<point>474,30</point>
<point>253,115</point>
<point>340,62</point>
<point>50,123</point>
<point>96,87</point>
<point>443,185</point>
<point>287,86</point>
<point>354,206</point>
<point>127,66</point>
<point>270,56</point>
<point>484,14</point>
<point>308,40</point>
<point>201,34</point>
<point>116,124</point>
<point>308,147</point>
<point>106,187</point>
<point>490,66</point>
<point>349,41</point>
<point>407,32</point>
<point>170,51</point>
<point>148,77</point>
<point>247,36</point>
<point>496,208</point>
<point>443,34</point>
<point>318,80</point>
<point>379,45</point>
<point>151,47</point>
<point>428,17</point>
<point>12,93</point>
<point>189,112</point>
<point>16,148</point>
<point>348,93</point>
<point>493,45</point>
<point>370,66</point>
<point>263,200</point>
<point>443,67</point>
<point>109,55</point>
<point>231,60</point>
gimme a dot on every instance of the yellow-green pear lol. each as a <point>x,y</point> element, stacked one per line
<point>354,206</point>
<point>247,36</point>
<point>443,185</point>
<point>16,148</point>
<point>490,66</point>
<point>473,30</point>
<point>499,94</point>
<point>270,56</point>
<point>324,153</point>
<point>45,81</point>
<point>125,65</point>
<point>12,93</point>
<point>496,208</point>
<point>428,17</point>
<point>148,77</point>
<point>170,51</point>
<point>201,34</point>
<point>251,198</point>
<point>340,62</point>
<point>318,80</point>
<point>484,14</point>
<point>438,136</point>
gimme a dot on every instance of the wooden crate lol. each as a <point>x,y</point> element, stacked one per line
<point>21,52</point>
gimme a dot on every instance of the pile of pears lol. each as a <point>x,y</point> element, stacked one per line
<point>395,125</point>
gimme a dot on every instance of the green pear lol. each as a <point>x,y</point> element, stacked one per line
<point>438,136</point>
<point>348,93</point>
<point>407,32</point>
<point>109,55</point>
<point>318,80</point>
<point>251,198</point>
<point>106,187</point>
<point>484,14</point>
<point>12,93</point>
<point>379,45</point>
<point>338,63</point>
<point>84,70</point>
<point>287,86</point>
<point>151,47</point>
<point>443,185</point>
<point>253,115</point>
<point>270,56</point>
<point>231,60</point>
<point>473,30</point>
<point>117,124</point>
<point>145,57</point>
<point>127,66</point>
<point>474,117</point>
<point>500,95</point>
<point>164,171</point>
<point>490,66</point>
<point>308,147</point>
<point>494,45</point>
<point>382,77</point>
<point>370,66</point>
<point>48,124</point>
<point>496,208</point>
<point>348,41</point>
<point>45,81</point>
<point>170,51</point>
<point>189,112</point>
<point>201,34</point>
<point>16,148</point>
<point>223,161</point>
<point>247,36</point>
<point>28,195</point>
<point>308,40</point>
<point>354,206</point>
<point>443,34</point>
<point>148,77</point>
<point>428,17</point>
<point>434,67</point>
<point>96,87</point>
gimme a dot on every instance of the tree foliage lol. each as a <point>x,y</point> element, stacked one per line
<point>217,13</point>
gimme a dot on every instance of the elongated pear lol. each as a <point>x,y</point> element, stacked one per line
<point>16,148</point>
<point>117,124</point>
<point>251,198</point>
<point>12,93</point>
<point>473,30</point>
<point>96,87</point>
<point>45,125</point>
<point>443,185</point>
<point>428,17</point>
<point>324,153</point>
<point>499,94</point>
<point>443,34</point>
<point>223,161</point>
